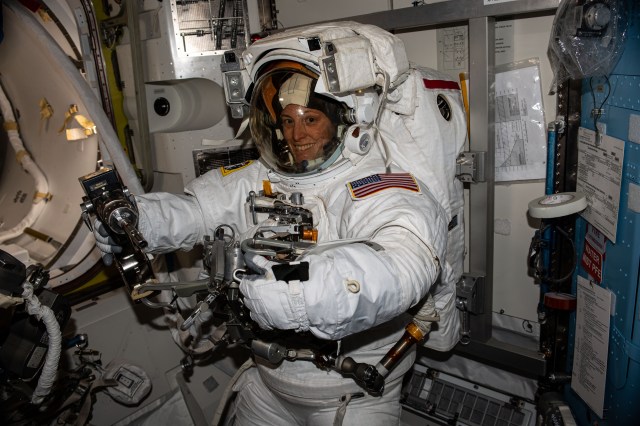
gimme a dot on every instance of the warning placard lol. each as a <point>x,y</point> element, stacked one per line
<point>592,261</point>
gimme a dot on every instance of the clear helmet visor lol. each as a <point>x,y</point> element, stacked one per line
<point>296,130</point>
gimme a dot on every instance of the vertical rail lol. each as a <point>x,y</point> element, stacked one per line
<point>142,138</point>
<point>481,195</point>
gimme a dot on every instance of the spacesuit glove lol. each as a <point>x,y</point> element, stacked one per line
<point>273,303</point>
<point>105,242</point>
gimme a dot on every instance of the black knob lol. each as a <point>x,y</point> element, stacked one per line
<point>364,374</point>
<point>161,106</point>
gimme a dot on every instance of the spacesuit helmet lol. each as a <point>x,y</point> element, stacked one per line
<point>297,130</point>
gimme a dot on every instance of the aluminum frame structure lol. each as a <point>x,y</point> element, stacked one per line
<point>480,18</point>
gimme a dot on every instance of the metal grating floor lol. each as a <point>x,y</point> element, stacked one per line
<point>448,401</point>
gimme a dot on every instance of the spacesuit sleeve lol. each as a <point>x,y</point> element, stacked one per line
<point>355,287</point>
<point>169,222</point>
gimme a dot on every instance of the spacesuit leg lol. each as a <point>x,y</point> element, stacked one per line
<point>360,410</point>
<point>255,404</point>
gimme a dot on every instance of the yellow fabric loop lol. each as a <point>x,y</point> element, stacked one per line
<point>76,134</point>
<point>46,110</point>
<point>10,125</point>
<point>20,155</point>
<point>44,15</point>
<point>42,196</point>
<point>68,116</point>
<point>88,125</point>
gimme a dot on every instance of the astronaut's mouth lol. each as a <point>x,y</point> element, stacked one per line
<point>300,148</point>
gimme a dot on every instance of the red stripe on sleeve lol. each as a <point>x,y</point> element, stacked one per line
<point>440,84</point>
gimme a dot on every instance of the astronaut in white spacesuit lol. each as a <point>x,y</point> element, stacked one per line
<point>385,232</point>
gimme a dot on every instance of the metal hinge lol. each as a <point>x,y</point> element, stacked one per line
<point>470,166</point>
<point>470,300</point>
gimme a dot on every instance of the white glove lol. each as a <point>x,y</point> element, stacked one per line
<point>273,303</point>
<point>105,242</point>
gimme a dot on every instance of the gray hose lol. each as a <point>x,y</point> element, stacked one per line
<point>50,368</point>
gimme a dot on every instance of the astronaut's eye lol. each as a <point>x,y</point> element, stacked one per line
<point>287,122</point>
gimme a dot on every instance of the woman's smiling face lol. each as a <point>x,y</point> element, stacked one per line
<point>306,131</point>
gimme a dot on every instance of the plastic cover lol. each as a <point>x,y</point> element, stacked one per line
<point>587,38</point>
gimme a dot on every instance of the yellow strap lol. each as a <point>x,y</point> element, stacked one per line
<point>88,126</point>
<point>68,116</point>
<point>266,187</point>
<point>75,134</point>
<point>44,15</point>
<point>464,80</point>
<point>42,196</point>
<point>10,125</point>
<point>46,110</point>
<point>20,155</point>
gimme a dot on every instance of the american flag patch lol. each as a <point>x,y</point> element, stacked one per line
<point>373,184</point>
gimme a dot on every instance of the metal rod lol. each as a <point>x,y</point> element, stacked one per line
<point>142,138</point>
<point>481,194</point>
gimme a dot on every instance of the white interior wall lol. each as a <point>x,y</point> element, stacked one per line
<point>27,70</point>
<point>515,293</point>
<point>172,152</point>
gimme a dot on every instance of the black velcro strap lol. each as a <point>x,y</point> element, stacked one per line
<point>298,271</point>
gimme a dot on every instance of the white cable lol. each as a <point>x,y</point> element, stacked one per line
<point>383,100</point>
<point>50,368</point>
<point>27,163</point>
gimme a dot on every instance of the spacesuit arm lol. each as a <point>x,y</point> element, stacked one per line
<point>169,221</point>
<point>354,287</point>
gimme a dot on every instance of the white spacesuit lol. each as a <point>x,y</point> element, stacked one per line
<point>384,232</point>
